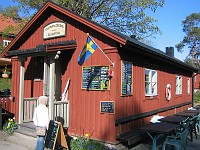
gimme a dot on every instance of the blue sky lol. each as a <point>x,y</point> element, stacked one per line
<point>169,19</point>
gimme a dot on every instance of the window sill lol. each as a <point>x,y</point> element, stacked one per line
<point>151,95</point>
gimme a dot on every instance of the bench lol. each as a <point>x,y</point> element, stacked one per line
<point>132,138</point>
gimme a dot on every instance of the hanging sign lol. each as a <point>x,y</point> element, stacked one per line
<point>107,107</point>
<point>55,29</point>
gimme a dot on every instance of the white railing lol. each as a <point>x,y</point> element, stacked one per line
<point>61,112</point>
<point>29,106</point>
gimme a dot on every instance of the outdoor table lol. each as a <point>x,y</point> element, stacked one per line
<point>174,119</point>
<point>187,114</point>
<point>159,129</point>
<point>197,107</point>
<point>192,111</point>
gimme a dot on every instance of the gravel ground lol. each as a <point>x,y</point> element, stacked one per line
<point>16,141</point>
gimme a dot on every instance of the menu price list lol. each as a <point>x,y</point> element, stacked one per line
<point>126,78</point>
<point>107,107</point>
<point>51,134</point>
<point>95,77</point>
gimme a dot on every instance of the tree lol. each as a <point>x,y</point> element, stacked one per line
<point>11,12</point>
<point>127,17</point>
<point>191,27</point>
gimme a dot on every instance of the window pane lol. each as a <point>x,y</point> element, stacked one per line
<point>147,87</point>
<point>150,82</point>
<point>147,77</point>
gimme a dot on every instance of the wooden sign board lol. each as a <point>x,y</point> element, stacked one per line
<point>107,107</point>
<point>55,135</point>
<point>95,78</point>
<point>126,78</point>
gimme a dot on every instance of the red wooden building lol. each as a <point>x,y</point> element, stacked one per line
<point>101,98</point>
<point>6,22</point>
<point>196,82</point>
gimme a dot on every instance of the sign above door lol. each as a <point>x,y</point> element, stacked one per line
<point>54,29</point>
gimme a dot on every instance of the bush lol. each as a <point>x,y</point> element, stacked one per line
<point>10,126</point>
<point>85,143</point>
<point>197,96</point>
<point>5,83</point>
<point>82,143</point>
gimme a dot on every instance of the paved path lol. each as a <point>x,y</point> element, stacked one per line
<point>16,141</point>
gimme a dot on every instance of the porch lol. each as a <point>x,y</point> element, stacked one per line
<point>60,111</point>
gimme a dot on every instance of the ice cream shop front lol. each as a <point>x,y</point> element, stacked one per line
<point>98,81</point>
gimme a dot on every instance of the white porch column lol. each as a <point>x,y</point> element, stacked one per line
<point>21,89</point>
<point>45,77</point>
<point>51,88</point>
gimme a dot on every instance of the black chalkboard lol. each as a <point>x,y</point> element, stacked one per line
<point>51,136</point>
<point>126,81</point>
<point>107,107</point>
<point>95,77</point>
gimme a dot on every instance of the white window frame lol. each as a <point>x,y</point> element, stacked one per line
<point>188,86</point>
<point>151,84</point>
<point>6,43</point>
<point>178,84</point>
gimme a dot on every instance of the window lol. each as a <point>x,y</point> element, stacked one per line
<point>188,86</point>
<point>150,82</point>
<point>5,43</point>
<point>178,84</point>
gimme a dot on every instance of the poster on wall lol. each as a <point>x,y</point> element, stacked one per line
<point>95,78</point>
<point>107,107</point>
<point>126,78</point>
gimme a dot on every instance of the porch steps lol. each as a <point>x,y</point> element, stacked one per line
<point>27,129</point>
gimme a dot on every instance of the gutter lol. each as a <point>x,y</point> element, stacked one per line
<point>193,76</point>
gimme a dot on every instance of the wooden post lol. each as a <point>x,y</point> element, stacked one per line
<point>52,88</point>
<point>21,89</point>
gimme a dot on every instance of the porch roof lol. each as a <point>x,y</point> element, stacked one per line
<point>42,49</point>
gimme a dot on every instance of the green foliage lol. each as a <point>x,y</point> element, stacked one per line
<point>191,27</point>
<point>10,126</point>
<point>197,96</point>
<point>13,13</point>
<point>83,143</point>
<point>5,83</point>
<point>127,17</point>
<point>190,61</point>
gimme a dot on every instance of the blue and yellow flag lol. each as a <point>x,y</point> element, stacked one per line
<point>88,49</point>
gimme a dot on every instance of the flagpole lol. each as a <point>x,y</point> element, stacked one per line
<point>102,51</point>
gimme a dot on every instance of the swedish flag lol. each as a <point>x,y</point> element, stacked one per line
<point>88,49</point>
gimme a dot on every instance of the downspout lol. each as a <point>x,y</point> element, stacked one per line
<point>193,89</point>
<point>193,76</point>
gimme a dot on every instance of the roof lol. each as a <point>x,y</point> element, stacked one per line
<point>7,21</point>
<point>121,38</point>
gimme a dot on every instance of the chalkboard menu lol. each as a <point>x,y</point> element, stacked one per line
<point>95,78</point>
<point>51,135</point>
<point>126,76</point>
<point>107,107</point>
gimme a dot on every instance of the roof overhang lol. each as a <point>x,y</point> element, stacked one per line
<point>5,61</point>
<point>41,50</point>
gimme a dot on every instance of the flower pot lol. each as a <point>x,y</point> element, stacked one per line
<point>4,75</point>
